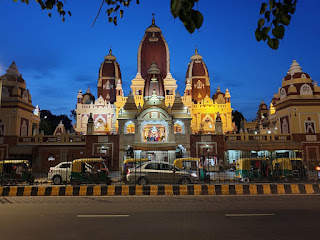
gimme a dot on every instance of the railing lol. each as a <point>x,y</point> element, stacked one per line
<point>49,139</point>
<point>258,137</point>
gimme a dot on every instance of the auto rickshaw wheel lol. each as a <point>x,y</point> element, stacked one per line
<point>74,182</point>
<point>108,181</point>
<point>246,180</point>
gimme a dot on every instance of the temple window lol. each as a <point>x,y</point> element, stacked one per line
<point>199,84</point>
<point>305,90</point>
<point>129,127</point>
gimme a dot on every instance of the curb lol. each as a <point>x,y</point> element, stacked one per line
<point>158,190</point>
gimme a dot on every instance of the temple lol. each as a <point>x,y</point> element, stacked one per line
<point>157,122</point>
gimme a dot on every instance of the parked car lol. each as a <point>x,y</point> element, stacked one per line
<point>60,173</point>
<point>159,172</point>
<point>131,163</point>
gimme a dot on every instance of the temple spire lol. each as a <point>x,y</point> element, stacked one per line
<point>153,21</point>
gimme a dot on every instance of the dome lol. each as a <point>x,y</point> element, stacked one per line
<point>263,105</point>
<point>295,71</point>
<point>197,67</point>
<point>88,98</point>
<point>109,67</point>
<point>153,48</point>
<point>155,101</point>
<point>296,82</point>
<point>13,75</point>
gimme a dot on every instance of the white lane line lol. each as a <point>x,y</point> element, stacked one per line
<point>101,216</point>
<point>249,215</point>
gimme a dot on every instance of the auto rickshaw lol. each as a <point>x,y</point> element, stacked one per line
<point>288,168</point>
<point>89,170</point>
<point>131,163</point>
<point>248,169</point>
<point>15,171</point>
<point>192,165</point>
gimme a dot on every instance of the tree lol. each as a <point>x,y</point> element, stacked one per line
<point>237,118</point>
<point>49,122</point>
<point>276,14</point>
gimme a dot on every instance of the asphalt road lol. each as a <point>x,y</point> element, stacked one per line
<point>172,217</point>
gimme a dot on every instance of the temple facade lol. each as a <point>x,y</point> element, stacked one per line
<point>153,75</point>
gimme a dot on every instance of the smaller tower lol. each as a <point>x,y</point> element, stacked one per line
<point>90,125</point>
<point>198,76</point>
<point>218,125</point>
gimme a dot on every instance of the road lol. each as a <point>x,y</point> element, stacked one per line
<point>166,217</point>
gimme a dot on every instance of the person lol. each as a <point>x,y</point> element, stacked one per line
<point>94,173</point>
<point>19,172</point>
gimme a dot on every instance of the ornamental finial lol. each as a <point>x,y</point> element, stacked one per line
<point>153,21</point>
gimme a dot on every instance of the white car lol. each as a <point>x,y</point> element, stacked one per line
<point>60,173</point>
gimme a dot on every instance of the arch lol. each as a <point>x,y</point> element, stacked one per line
<point>179,127</point>
<point>25,95</point>
<point>306,90</point>
<point>283,93</point>
<point>84,120</point>
<point>129,127</point>
<point>144,114</point>
<point>154,130</point>
<point>5,92</point>
<point>208,122</point>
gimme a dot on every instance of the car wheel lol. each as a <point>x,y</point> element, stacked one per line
<point>185,181</point>
<point>142,181</point>
<point>56,180</point>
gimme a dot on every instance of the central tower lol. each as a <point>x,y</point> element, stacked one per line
<point>153,72</point>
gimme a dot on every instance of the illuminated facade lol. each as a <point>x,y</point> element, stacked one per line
<point>153,74</point>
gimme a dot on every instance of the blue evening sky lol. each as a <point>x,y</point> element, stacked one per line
<point>57,59</point>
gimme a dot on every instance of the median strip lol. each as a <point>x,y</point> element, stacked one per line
<point>101,216</point>
<point>249,215</point>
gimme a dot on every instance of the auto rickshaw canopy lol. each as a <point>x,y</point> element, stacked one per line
<point>179,161</point>
<point>135,160</point>
<point>77,163</point>
<point>284,163</point>
<point>245,163</point>
<point>12,161</point>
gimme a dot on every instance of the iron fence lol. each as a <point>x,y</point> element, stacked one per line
<point>206,169</point>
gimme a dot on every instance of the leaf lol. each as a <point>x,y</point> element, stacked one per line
<point>110,19</point>
<point>69,13</point>
<point>189,25</point>
<point>273,43</point>
<point>175,7</point>
<point>49,14</point>
<point>197,18</point>
<point>263,8</point>
<point>115,21</point>
<point>117,7</point>
<point>121,13</point>
<point>261,23</point>
<point>267,15</point>
<point>278,32</point>
<point>285,20</point>
<point>259,35</point>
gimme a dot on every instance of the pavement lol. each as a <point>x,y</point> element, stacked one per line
<point>167,217</point>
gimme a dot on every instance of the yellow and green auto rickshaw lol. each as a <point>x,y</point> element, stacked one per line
<point>192,165</point>
<point>288,168</point>
<point>248,169</point>
<point>15,171</point>
<point>89,170</point>
<point>131,163</point>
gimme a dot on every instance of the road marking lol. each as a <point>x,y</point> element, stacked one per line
<point>101,216</point>
<point>249,215</point>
